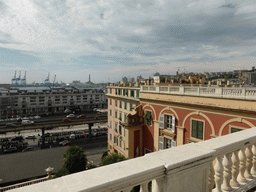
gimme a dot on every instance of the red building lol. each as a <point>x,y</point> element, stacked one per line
<point>176,115</point>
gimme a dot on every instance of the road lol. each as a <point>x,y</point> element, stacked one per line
<point>50,122</point>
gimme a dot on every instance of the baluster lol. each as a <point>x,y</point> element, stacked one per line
<point>253,170</point>
<point>235,169</point>
<point>227,164</point>
<point>157,185</point>
<point>211,177</point>
<point>218,174</point>
<point>248,153</point>
<point>242,165</point>
<point>144,187</point>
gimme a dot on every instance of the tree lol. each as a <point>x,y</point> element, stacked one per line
<point>63,171</point>
<point>74,159</point>
<point>113,158</point>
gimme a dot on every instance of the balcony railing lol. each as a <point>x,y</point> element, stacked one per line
<point>223,92</point>
<point>226,163</point>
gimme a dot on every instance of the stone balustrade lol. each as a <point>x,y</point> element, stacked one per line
<point>226,163</point>
<point>19,185</point>
<point>223,92</point>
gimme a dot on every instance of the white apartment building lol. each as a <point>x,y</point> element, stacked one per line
<point>46,100</point>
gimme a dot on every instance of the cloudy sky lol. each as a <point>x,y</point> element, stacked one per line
<point>113,38</point>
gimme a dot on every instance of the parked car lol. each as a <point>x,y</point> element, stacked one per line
<point>27,122</point>
<point>70,116</point>
<point>31,137</point>
<point>72,136</point>
<point>37,117</point>
<point>10,150</point>
<point>66,120</point>
<point>24,118</point>
<point>67,111</point>
<point>64,143</point>
<point>81,116</point>
<point>19,119</point>
<point>28,149</point>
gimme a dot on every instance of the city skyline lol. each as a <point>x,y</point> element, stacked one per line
<point>112,39</point>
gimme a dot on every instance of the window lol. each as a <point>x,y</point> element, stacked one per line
<point>132,93</point>
<point>120,129</point>
<point>126,93</point>
<point>167,122</point>
<point>197,129</point>
<point>110,112</point>
<point>110,90</point>
<point>115,127</point>
<point>116,91</point>
<point>110,137</point>
<point>120,142</point>
<point>119,91</point>
<point>125,105</point>
<point>110,101</point>
<point>165,143</point>
<point>115,140</point>
<point>130,106</point>
<point>115,114</point>
<point>125,117</point>
<point>116,103</point>
<point>120,104</point>
<point>138,94</point>
<point>233,130</point>
<point>120,116</point>
<point>148,117</point>
<point>110,124</point>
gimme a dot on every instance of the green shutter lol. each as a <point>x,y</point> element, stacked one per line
<point>194,129</point>
<point>200,130</point>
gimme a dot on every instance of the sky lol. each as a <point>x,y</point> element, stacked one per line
<point>110,39</point>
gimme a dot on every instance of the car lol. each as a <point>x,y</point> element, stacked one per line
<point>70,116</point>
<point>67,111</point>
<point>28,149</point>
<point>64,143</point>
<point>24,118</point>
<point>31,137</point>
<point>31,117</point>
<point>10,150</point>
<point>81,116</point>
<point>13,119</point>
<point>19,119</point>
<point>27,122</point>
<point>66,120</point>
<point>37,117</point>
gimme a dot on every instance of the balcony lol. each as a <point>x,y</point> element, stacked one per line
<point>219,92</point>
<point>226,163</point>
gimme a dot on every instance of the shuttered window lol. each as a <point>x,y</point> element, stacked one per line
<point>167,122</point>
<point>197,129</point>
<point>233,130</point>
<point>161,143</point>
<point>148,117</point>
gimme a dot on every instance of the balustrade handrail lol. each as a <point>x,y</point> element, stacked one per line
<point>2,189</point>
<point>222,92</point>
<point>169,170</point>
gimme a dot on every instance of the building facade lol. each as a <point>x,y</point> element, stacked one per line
<point>123,100</point>
<point>177,115</point>
<point>55,100</point>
